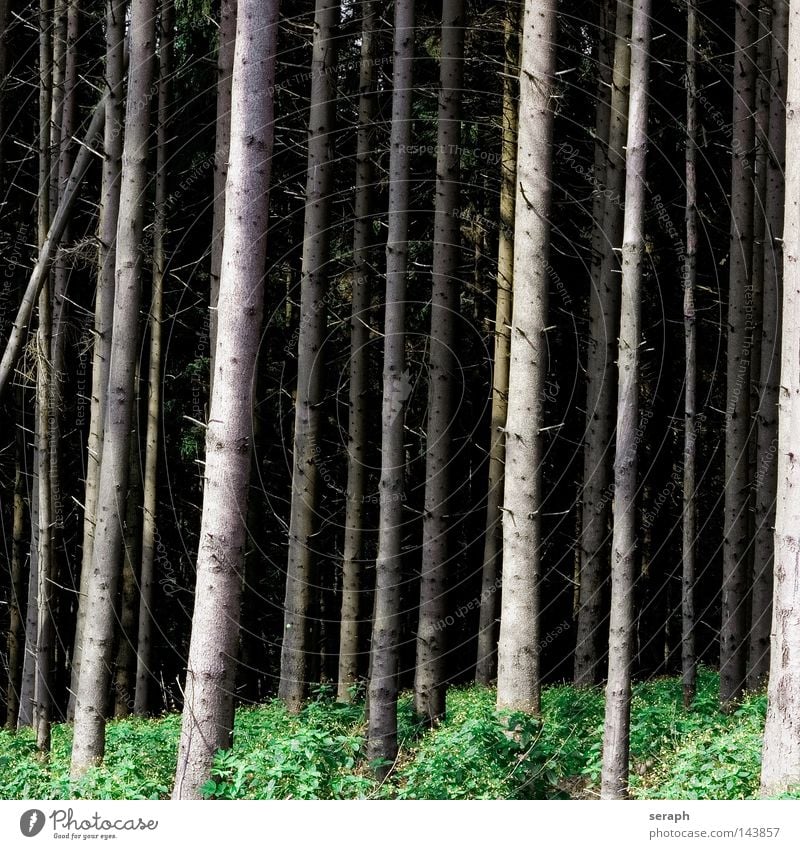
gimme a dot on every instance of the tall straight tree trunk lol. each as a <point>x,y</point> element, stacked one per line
<point>486,665</point>
<point>357,437</point>
<point>601,385</point>
<point>104,310</point>
<point>225,49</point>
<point>98,635</point>
<point>767,419</point>
<point>144,642</point>
<point>518,678</point>
<point>307,451</point>
<point>689,525</point>
<point>736,539</point>
<point>429,681</point>
<point>780,762</point>
<point>616,732</point>
<point>28,685</point>
<point>384,653</point>
<point>208,704</point>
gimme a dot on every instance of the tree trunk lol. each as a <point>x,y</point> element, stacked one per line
<point>384,653</point>
<point>144,642</point>
<point>736,539</point>
<point>307,451</point>
<point>601,384</point>
<point>225,49</point>
<point>780,762</point>
<point>208,705</point>
<point>429,681</point>
<point>28,685</point>
<point>358,438</point>
<point>98,636</point>
<point>618,690</point>
<point>104,309</point>
<point>767,419</point>
<point>518,679</point>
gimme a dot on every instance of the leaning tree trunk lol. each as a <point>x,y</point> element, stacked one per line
<point>780,762</point>
<point>104,309</point>
<point>99,629</point>
<point>384,654</point>
<point>689,525</point>
<point>429,680</point>
<point>601,384</point>
<point>307,451</point>
<point>145,621</point>
<point>623,562</point>
<point>485,667</point>
<point>357,437</point>
<point>208,704</point>
<point>767,419</point>
<point>736,537</point>
<point>518,678</point>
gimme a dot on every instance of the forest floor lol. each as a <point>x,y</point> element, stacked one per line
<point>675,754</point>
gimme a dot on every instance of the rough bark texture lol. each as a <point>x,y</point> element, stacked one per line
<point>486,665</point>
<point>733,629</point>
<point>98,636</point>
<point>384,657</point>
<point>429,681</point>
<point>780,763</point>
<point>601,385</point>
<point>357,437</point>
<point>518,680</point>
<point>616,742</point>
<point>767,419</point>
<point>301,580</point>
<point>208,705</point>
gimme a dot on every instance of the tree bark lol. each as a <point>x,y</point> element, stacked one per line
<point>98,637</point>
<point>307,450</point>
<point>429,681</point>
<point>208,704</point>
<point>357,437</point>
<point>384,654</point>
<point>616,732</point>
<point>518,677</point>
<point>28,685</point>
<point>601,384</point>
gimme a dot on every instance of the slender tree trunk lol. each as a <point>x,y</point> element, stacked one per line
<point>486,665</point>
<point>780,762</point>
<point>518,678</point>
<point>3,69</point>
<point>144,643</point>
<point>601,386</point>
<point>307,452</point>
<point>358,438</point>
<point>384,653</point>
<point>225,49</point>
<point>429,682</point>
<point>98,635</point>
<point>618,690</point>
<point>689,526</point>
<point>208,704</point>
<point>28,685</point>
<point>104,309</point>
<point>767,420</point>
<point>736,539</point>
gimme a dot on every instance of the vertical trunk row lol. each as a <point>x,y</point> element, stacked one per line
<point>614,784</point>
<point>307,451</point>
<point>99,628</point>
<point>601,378</point>
<point>384,658</point>
<point>208,705</point>
<point>357,438</point>
<point>518,678</point>
<point>429,682</point>
<point>144,641</point>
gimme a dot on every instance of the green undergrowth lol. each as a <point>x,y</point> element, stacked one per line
<point>475,753</point>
